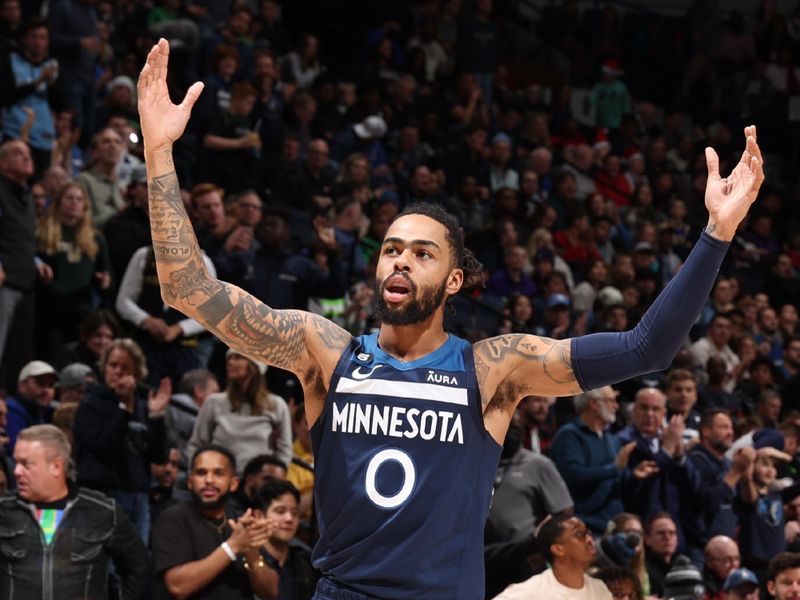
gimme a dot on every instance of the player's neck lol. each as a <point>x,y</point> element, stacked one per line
<point>410,342</point>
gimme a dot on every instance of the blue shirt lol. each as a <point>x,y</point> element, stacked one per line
<point>586,462</point>
<point>21,415</point>
<point>404,469</point>
<point>710,512</point>
<point>664,491</point>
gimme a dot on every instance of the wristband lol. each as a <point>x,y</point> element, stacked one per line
<point>227,549</point>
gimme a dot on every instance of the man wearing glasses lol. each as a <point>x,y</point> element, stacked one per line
<point>568,546</point>
<point>661,545</point>
<point>721,558</point>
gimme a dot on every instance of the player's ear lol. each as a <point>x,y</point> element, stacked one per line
<point>234,483</point>
<point>771,587</point>
<point>455,281</point>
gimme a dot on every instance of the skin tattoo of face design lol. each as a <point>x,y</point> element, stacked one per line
<point>267,332</point>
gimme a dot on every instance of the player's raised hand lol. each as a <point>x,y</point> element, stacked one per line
<point>162,121</point>
<point>728,199</point>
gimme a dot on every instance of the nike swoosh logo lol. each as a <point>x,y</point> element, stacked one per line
<point>357,374</point>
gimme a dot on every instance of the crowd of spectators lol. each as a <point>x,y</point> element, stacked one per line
<point>568,141</point>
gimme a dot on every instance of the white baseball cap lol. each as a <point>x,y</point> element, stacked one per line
<point>373,127</point>
<point>262,368</point>
<point>35,368</point>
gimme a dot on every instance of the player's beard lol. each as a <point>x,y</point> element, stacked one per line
<point>423,303</point>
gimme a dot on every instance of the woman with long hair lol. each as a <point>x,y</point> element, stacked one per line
<point>77,254</point>
<point>246,418</point>
<point>627,523</point>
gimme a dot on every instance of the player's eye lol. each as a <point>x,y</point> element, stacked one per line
<point>424,254</point>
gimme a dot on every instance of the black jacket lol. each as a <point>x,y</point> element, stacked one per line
<point>125,233</point>
<point>75,564</point>
<point>115,447</point>
<point>17,235</point>
<point>304,576</point>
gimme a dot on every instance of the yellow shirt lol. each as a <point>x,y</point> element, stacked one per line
<point>301,478</point>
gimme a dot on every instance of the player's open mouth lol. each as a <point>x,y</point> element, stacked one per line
<point>396,289</point>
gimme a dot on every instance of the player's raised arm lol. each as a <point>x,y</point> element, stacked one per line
<point>290,339</point>
<point>513,366</point>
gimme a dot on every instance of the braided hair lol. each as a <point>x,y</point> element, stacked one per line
<point>461,256</point>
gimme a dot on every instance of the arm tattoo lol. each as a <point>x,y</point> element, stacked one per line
<point>498,348</point>
<point>274,336</point>
<point>166,193</point>
<point>189,280</point>
<point>481,369</point>
<point>330,334</point>
<point>172,253</point>
<point>217,307</point>
<point>519,379</point>
<point>277,335</point>
<point>557,365</point>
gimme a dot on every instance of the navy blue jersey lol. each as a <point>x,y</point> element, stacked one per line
<point>404,470</point>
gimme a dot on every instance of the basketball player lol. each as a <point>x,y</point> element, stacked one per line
<point>407,425</point>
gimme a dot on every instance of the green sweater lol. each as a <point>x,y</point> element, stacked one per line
<point>73,270</point>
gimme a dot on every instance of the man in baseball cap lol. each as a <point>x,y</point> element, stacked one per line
<point>72,382</point>
<point>36,388</point>
<point>741,584</point>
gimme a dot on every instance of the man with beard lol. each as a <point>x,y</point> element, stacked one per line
<point>534,411</point>
<point>709,512</point>
<point>783,576</point>
<point>592,461</point>
<point>407,424</point>
<point>203,551</point>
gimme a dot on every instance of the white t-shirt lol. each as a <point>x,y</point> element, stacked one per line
<point>546,586</point>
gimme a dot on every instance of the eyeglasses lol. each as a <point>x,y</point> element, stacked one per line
<point>728,560</point>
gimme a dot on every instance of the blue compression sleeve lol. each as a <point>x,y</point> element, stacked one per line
<point>604,358</point>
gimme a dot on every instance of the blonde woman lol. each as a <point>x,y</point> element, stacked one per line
<point>630,523</point>
<point>246,418</point>
<point>77,254</point>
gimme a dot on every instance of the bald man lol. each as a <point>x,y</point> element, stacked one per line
<point>660,444</point>
<point>721,557</point>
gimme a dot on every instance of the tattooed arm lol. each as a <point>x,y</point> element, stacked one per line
<point>510,367</point>
<point>306,344</point>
